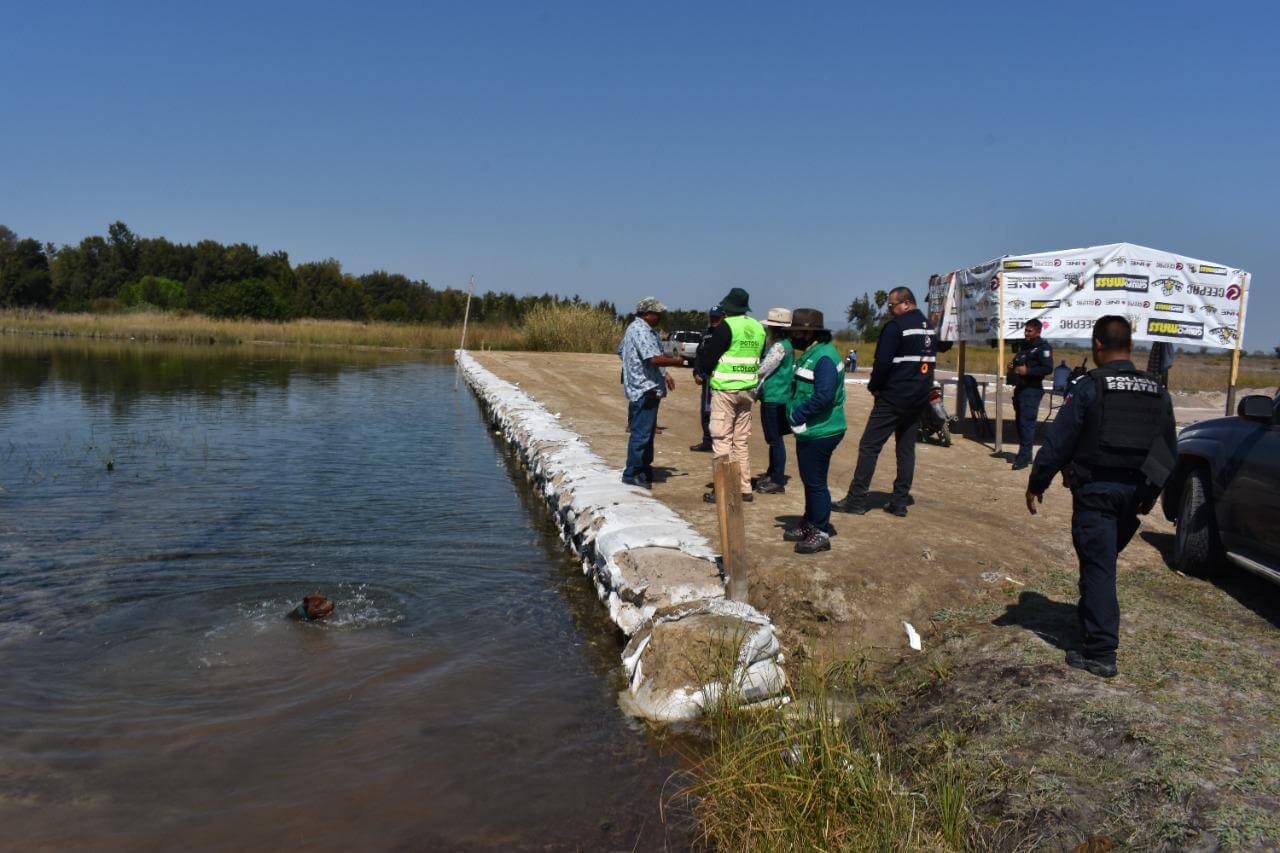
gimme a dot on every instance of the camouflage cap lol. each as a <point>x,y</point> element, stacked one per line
<point>650,304</point>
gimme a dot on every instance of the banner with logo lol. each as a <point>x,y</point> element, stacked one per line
<point>1166,297</point>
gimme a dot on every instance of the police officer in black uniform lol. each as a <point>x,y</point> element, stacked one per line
<point>1027,371</point>
<point>1114,440</point>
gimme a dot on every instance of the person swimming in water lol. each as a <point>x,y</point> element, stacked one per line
<point>313,607</point>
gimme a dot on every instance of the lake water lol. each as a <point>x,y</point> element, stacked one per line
<point>162,508</point>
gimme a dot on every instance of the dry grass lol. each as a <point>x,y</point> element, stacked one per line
<point>197,329</point>
<point>1192,372</point>
<point>825,773</point>
<point>571,328</point>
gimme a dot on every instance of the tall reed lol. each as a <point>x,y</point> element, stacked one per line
<point>571,328</point>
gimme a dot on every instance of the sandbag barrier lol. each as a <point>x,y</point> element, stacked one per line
<point>658,577</point>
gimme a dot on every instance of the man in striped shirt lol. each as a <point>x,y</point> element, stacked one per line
<point>900,381</point>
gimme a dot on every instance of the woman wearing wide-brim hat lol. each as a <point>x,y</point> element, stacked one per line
<point>815,413</point>
<point>773,392</point>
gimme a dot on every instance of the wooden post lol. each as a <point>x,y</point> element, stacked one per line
<point>1235,354</point>
<point>733,535</point>
<point>466,315</point>
<point>961,399</point>
<point>1000,365</point>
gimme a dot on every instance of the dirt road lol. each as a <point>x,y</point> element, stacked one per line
<point>968,532</point>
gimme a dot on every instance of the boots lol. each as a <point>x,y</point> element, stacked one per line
<point>814,541</point>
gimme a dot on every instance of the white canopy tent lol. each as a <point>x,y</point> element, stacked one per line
<point>1167,298</point>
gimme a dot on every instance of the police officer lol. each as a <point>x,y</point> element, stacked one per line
<point>901,378</point>
<point>1029,368</point>
<point>1114,439</point>
<point>714,318</point>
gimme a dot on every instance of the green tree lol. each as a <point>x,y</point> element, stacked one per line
<point>154,291</point>
<point>866,314</point>
<point>24,277</point>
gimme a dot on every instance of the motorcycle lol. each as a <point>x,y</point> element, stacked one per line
<point>935,420</point>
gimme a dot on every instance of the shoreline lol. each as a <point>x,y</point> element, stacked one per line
<point>658,578</point>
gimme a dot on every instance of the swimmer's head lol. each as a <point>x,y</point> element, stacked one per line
<point>316,606</point>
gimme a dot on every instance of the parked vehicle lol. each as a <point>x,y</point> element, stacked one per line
<point>1224,493</point>
<point>683,345</point>
<point>935,420</point>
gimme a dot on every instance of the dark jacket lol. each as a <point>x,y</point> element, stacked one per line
<point>1037,355</point>
<point>905,357</point>
<point>1063,438</point>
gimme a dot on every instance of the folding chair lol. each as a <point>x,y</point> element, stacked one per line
<point>1061,381</point>
<point>977,408</point>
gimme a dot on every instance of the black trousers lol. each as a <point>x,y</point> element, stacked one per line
<point>884,421</point>
<point>1104,517</point>
<point>704,409</point>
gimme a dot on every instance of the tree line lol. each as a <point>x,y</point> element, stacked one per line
<point>123,271</point>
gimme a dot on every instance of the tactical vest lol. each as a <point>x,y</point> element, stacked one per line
<point>739,368</point>
<point>777,388</point>
<point>1120,428</point>
<point>824,423</point>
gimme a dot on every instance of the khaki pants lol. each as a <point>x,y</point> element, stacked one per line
<point>730,429</point>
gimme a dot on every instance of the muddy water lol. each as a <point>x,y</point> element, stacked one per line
<point>162,508</point>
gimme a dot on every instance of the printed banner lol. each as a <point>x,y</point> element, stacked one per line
<point>1166,297</point>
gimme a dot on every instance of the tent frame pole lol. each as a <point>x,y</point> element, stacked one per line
<point>1235,354</point>
<point>1000,366</point>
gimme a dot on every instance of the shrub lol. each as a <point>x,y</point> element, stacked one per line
<point>154,291</point>
<point>571,328</point>
<point>252,297</point>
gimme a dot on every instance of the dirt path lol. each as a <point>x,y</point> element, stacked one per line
<point>968,531</point>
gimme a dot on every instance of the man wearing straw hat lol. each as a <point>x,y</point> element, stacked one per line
<point>645,383</point>
<point>731,362</point>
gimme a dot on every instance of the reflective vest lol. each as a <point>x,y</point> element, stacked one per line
<point>739,368</point>
<point>830,421</point>
<point>777,388</point>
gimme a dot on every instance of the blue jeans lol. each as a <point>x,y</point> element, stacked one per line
<point>773,419</point>
<point>642,418</point>
<point>1026,408</point>
<point>814,459</point>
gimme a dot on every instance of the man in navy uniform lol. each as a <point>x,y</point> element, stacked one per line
<point>1115,441</point>
<point>901,378</point>
<point>1029,368</point>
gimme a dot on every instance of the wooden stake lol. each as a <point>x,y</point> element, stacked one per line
<point>1000,366</point>
<point>466,315</point>
<point>1235,355</point>
<point>733,534</point>
<point>961,399</point>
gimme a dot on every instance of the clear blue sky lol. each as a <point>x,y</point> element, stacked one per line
<point>808,153</point>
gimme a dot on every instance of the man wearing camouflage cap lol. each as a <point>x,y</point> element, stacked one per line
<point>645,383</point>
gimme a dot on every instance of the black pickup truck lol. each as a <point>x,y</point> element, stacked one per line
<point>1225,492</point>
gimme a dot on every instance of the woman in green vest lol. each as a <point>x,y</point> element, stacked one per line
<point>815,413</point>
<point>773,393</point>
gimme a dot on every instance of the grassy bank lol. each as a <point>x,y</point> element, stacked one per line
<point>988,741</point>
<point>556,328</point>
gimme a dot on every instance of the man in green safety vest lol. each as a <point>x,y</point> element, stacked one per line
<point>730,361</point>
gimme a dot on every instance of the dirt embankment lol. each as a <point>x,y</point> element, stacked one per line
<point>968,531</point>
<point>1180,751</point>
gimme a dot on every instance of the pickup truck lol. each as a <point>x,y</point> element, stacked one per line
<point>683,345</point>
<point>1224,493</point>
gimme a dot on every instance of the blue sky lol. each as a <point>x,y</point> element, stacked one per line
<point>808,153</point>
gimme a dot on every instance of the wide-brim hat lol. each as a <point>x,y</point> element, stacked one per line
<point>778,317</point>
<point>808,320</point>
<point>736,302</point>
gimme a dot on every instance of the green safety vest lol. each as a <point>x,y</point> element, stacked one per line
<point>777,388</point>
<point>739,367</point>
<point>824,423</point>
